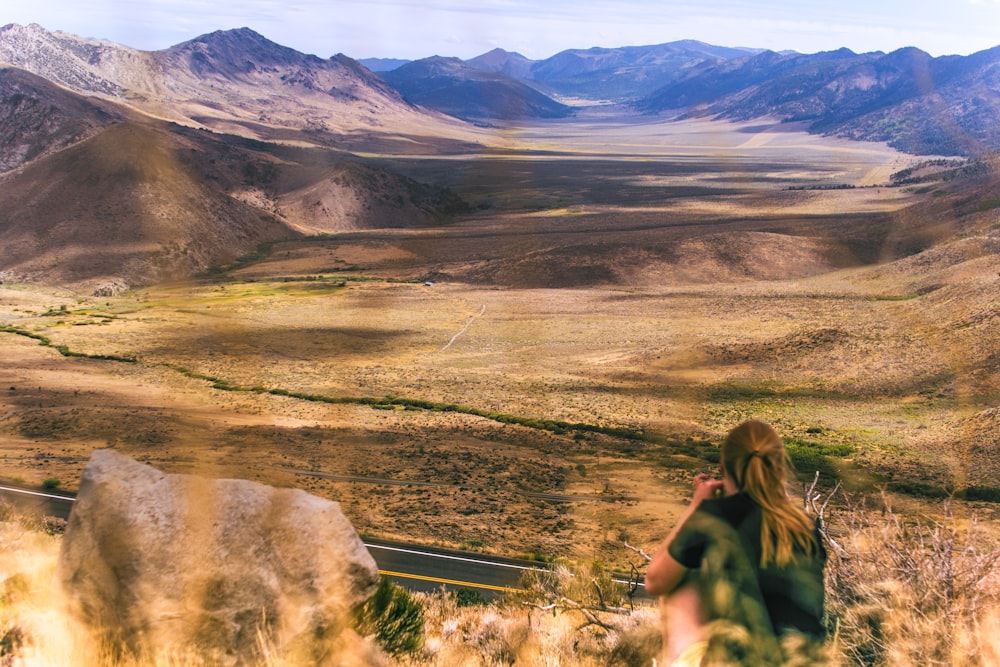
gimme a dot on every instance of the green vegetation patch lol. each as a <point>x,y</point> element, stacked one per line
<point>234,292</point>
<point>809,456</point>
<point>725,392</point>
<point>895,297</point>
<point>556,426</point>
<point>394,617</point>
<point>63,349</point>
<point>468,597</point>
<point>990,494</point>
<point>262,252</point>
<point>919,489</point>
<point>309,288</point>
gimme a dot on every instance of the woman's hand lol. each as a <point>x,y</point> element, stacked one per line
<point>664,573</point>
<point>705,487</point>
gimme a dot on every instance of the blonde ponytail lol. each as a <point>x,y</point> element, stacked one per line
<point>756,460</point>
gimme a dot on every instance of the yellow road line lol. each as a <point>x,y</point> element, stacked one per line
<point>453,582</point>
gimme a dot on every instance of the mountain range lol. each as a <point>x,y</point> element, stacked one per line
<point>239,81</point>
<point>112,156</point>
<point>919,104</point>
<point>109,156</point>
<point>233,81</point>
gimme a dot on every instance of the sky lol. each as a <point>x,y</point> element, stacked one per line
<point>413,29</point>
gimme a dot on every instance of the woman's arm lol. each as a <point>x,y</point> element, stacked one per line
<point>664,572</point>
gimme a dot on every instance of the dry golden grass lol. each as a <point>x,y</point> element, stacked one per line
<point>900,591</point>
<point>906,591</point>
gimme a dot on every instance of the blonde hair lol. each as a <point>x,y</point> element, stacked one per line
<point>755,459</point>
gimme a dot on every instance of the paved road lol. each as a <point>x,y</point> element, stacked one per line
<point>423,569</point>
<point>31,500</point>
<point>417,567</point>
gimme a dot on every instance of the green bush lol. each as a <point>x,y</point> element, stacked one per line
<point>394,618</point>
<point>983,493</point>
<point>919,489</point>
<point>468,597</point>
<point>808,457</point>
<point>51,483</point>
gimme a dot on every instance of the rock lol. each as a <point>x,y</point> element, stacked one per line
<point>111,288</point>
<point>153,562</point>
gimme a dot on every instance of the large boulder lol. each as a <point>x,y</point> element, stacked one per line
<point>155,563</point>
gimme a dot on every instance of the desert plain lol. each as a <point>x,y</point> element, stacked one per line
<point>542,374</point>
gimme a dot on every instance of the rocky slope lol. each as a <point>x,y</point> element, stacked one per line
<point>233,80</point>
<point>38,118</point>
<point>919,104</point>
<point>242,74</point>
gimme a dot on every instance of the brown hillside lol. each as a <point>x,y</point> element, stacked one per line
<point>124,204</point>
<point>348,196</point>
<point>144,201</point>
<point>38,118</point>
<point>709,258</point>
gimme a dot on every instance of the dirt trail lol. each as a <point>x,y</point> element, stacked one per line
<point>464,329</point>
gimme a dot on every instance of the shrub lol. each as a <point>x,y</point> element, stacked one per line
<point>808,457</point>
<point>11,641</point>
<point>498,638</point>
<point>468,597</point>
<point>51,483</point>
<point>912,592</point>
<point>394,618</point>
<point>983,493</point>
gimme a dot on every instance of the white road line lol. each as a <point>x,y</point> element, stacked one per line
<point>449,557</point>
<point>36,493</point>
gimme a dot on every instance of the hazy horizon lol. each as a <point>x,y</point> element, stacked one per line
<point>410,30</point>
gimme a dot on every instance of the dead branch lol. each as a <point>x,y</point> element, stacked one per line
<point>811,499</point>
<point>589,612</point>
<point>639,551</point>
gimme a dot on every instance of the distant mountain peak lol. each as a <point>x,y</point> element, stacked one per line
<point>242,32</point>
<point>233,36</point>
<point>30,28</point>
<point>242,40</point>
<point>502,52</point>
<point>436,66</point>
<point>235,54</point>
<point>505,62</point>
<point>460,89</point>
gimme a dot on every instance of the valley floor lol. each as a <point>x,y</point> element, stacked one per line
<point>589,331</point>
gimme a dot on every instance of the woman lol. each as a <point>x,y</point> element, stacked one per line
<point>743,553</point>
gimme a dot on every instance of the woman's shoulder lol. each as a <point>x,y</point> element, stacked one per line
<point>739,512</point>
<point>735,507</point>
